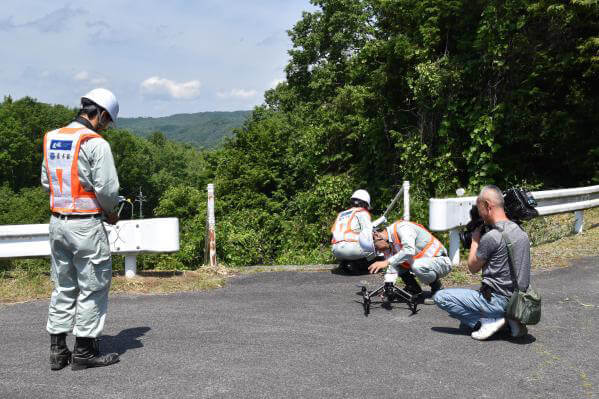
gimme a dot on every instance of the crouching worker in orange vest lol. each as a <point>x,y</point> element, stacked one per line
<point>79,173</point>
<point>348,225</point>
<point>410,250</point>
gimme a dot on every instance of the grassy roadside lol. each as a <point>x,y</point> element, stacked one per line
<point>554,245</point>
<point>23,286</point>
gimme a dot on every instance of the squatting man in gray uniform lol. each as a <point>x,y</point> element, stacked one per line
<point>79,173</point>
<point>408,248</point>
<point>487,306</point>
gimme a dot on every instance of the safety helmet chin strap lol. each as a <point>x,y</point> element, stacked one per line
<point>84,122</point>
<point>102,115</point>
<point>390,242</point>
<point>102,124</point>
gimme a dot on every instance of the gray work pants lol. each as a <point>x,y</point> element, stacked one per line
<point>82,273</point>
<point>427,270</point>
<point>348,250</point>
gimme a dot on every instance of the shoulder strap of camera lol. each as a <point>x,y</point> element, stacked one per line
<point>510,257</point>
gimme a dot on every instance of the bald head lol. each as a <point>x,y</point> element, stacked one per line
<point>493,195</point>
<point>490,205</point>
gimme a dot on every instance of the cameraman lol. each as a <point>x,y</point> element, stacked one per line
<point>489,253</point>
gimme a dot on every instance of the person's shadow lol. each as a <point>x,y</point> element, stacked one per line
<point>345,271</point>
<point>124,340</point>
<point>500,335</point>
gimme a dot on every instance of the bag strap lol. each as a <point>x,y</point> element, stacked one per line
<point>510,257</point>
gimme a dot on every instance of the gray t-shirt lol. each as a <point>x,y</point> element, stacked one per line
<point>493,249</point>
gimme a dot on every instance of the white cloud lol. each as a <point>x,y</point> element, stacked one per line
<point>56,21</point>
<point>98,81</point>
<point>83,75</point>
<point>237,93</point>
<point>273,39</point>
<point>160,87</point>
<point>275,82</point>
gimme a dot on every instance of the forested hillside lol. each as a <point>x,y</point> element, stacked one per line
<point>443,93</point>
<point>201,129</point>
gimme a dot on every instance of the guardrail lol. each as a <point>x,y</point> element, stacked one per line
<point>128,237</point>
<point>451,214</point>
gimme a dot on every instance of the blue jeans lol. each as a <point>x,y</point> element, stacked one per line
<point>469,306</point>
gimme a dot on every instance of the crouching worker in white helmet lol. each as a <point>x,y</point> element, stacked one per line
<point>79,173</point>
<point>348,225</point>
<point>408,248</point>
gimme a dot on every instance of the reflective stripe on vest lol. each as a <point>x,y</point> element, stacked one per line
<point>342,230</point>
<point>430,250</point>
<point>61,155</point>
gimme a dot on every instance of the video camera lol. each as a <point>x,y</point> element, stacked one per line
<point>519,205</point>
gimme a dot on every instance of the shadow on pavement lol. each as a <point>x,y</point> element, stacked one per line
<point>501,335</point>
<point>525,340</point>
<point>124,340</point>
<point>343,271</point>
<point>451,330</point>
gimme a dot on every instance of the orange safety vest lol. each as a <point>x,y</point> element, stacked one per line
<point>61,155</point>
<point>430,250</point>
<point>342,230</point>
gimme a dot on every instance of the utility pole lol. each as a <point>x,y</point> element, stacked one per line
<point>141,199</point>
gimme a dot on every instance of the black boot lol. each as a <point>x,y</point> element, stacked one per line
<point>60,355</point>
<point>435,286</point>
<point>87,354</point>
<point>344,267</point>
<point>359,266</point>
<point>412,285</point>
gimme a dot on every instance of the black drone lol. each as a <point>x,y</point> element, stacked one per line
<point>390,294</point>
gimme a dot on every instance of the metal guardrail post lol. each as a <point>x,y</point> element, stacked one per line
<point>406,200</point>
<point>130,266</point>
<point>454,246</point>
<point>578,222</point>
<point>211,226</point>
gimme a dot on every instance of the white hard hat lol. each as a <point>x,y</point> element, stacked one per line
<point>366,242</point>
<point>105,99</point>
<point>361,195</point>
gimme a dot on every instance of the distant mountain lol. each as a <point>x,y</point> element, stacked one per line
<point>201,129</point>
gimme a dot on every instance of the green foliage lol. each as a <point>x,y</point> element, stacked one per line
<point>443,93</point>
<point>201,129</point>
<point>23,124</point>
<point>28,206</point>
<point>154,165</point>
<point>189,205</point>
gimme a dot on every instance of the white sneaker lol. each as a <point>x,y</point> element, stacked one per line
<point>488,327</point>
<point>517,329</point>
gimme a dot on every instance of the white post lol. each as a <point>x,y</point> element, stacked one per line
<point>130,266</point>
<point>211,225</point>
<point>406,200</point>
<point>454,246</point>
<point>578,222</point>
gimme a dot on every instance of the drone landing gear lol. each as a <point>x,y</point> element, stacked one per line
<point>390,293</point>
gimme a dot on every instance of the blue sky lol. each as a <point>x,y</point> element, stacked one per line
<point>159,58</point>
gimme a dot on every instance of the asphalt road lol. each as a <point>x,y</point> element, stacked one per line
<point>302,334</point>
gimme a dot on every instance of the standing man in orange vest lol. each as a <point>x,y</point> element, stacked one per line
<point>347,228</point>
<point>79,173</point>
<point>408,247</point>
